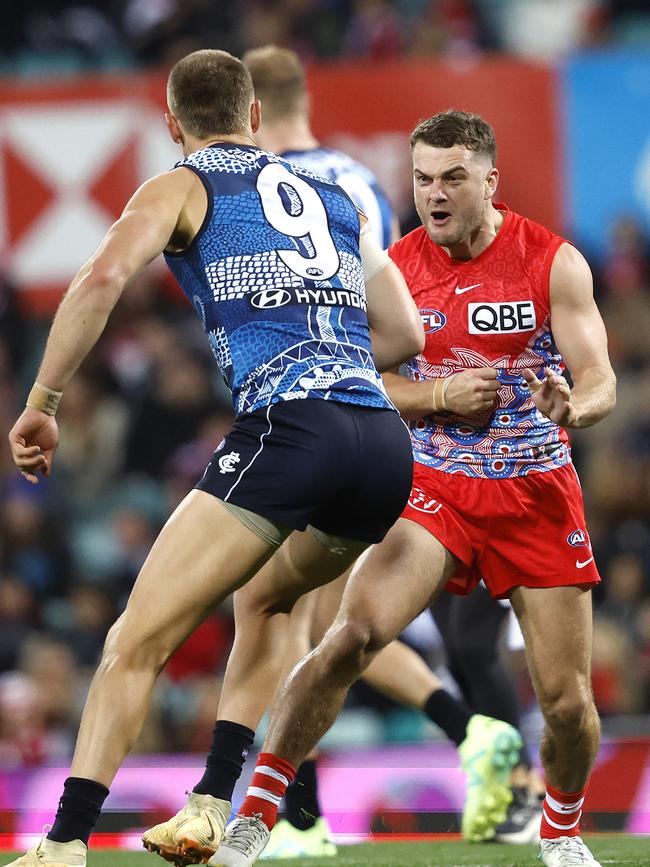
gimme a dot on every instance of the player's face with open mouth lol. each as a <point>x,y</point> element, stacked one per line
<point>450,189</point>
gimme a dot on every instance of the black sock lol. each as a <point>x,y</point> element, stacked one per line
<point>230,745</point>
<point>79,808</point>
<point>451,714</point>
<point>301,799</point>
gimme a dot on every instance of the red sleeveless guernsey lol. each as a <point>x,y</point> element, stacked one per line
<point>491,311</point>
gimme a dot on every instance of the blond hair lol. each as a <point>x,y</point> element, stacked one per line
<point>279,81</point>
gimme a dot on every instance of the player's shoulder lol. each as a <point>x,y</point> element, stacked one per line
<point>309,165</point>
<point>171,189</point>
<point>333,163</point>
<point>530,232</point>
<point>346,163</point>
<point>409,245</point>
<point>569,269</point>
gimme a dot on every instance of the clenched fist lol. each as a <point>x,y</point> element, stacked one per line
<point>33,440</point>
<point>472,391</point>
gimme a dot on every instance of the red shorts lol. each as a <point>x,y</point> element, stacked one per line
<point>528,531</point>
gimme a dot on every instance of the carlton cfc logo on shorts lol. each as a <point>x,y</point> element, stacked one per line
<point>432,320</point>
<point>228,463</point>
<point>577,539</point>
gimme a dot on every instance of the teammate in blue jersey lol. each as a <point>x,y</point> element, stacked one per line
<point>279,81</point>
<point>281,273</point>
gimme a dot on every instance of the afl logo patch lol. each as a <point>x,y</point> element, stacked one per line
<point>433,320</point>
<point>269,298</point>
<point>577,539</point>
<point>423,502</point>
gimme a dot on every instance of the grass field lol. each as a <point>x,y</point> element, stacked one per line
<point>622,850</point>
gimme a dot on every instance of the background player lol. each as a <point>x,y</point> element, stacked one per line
<point>241,230</point>
<point>495,495</point>
<point>280,83</point>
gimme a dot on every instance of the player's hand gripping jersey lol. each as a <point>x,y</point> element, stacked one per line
<point>275,276</point>
<point>358,182</point>
<point>491,311</point>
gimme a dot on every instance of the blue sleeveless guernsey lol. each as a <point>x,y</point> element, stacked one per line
<point>276,278</point>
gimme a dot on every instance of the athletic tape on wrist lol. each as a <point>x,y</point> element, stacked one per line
<point>440,386</point>
<point>44,399</point>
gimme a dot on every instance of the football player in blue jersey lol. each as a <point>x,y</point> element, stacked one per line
<point>301,307</point>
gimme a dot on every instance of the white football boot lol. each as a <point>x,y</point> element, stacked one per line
<point>245,839</point>
<point>566,852</point>
<point>49,853</point>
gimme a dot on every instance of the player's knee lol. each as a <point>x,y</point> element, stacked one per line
<point>567,705</point>
<point>353,642</point>
<point>128,649</point>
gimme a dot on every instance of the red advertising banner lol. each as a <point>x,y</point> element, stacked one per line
<point>72,152</point>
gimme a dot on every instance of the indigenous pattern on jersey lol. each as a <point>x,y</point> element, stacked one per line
<point>491,311</point>
<point>358,182</point>
<point>276,278</point>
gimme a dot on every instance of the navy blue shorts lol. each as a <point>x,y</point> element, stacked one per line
<point>344,469</point>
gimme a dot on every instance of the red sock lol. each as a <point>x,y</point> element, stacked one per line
<point>270,780</point>
<point>561,813</point>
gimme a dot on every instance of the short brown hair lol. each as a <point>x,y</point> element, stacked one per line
<point>210,92</point>
<point>449,128</point>
<point>279,81</point>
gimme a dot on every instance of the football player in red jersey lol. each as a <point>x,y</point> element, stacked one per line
<point>495,495</point>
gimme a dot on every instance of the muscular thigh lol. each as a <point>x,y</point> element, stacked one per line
<point>326,607</point>
<point>300,565</point>
<point>392,582</point>
<point>557,626</point>
<point>202,554</point>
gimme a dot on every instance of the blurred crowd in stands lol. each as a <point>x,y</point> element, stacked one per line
<point>138,425</point>
<point>69,34</point>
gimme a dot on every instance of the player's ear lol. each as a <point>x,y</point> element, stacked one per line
<point>491,182</point>
<point>174,129</point>
<point>256,115</point>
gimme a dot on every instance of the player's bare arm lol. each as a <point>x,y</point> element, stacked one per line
<point>580,336</point>
<point>466,393</point>
<point>164,212</point>
<point>395,325</point>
